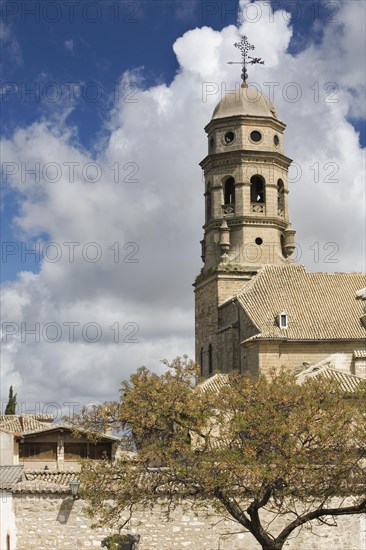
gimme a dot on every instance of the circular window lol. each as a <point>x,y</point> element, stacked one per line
<point>276,140</point>
<point>255,136</point>
<point>258,241</point>
<point>229,137</point>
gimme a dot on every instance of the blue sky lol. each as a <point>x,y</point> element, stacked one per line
<point>76,55</point>
<point>159,55</point>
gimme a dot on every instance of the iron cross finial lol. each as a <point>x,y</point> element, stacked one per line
<point>244,46</point>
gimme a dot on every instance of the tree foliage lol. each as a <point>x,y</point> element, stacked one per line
<point>249,446</point>
<point>12,402</point>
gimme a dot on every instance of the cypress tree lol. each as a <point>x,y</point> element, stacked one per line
<point>12,402</point>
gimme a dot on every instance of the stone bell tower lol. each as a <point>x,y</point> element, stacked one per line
<point>246,205</point>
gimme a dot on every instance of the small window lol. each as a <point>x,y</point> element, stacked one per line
<point>280,195</point>
<point>255,136</point>
<point>283,320</point>
<point>257,189</point>
<point>212,144</point>
<point>210,364</point>
<point>276,140</point>
<point>229,191</point>
<point>208,202</point>
<point>229,137</point>
<point>258,241</point>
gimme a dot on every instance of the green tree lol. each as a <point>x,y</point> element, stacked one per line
<point>249,446</point>
<point>12,402</point>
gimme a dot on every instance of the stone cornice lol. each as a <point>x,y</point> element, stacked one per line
<point>247,220</point>
<point>241,156</point>
<point>245,120</point>
<point>226,271</point>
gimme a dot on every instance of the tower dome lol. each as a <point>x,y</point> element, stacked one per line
<point>245,101</point>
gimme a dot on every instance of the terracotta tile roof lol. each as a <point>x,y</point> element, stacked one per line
<point>25,423</point>
<point>347,382</point>
<point>359,354</point>
<point>29,424</point>
<point>214,383</point>
<point>45,482</point>
<point>320,306</point>
<point>67,427</point>
<point>9,476</point>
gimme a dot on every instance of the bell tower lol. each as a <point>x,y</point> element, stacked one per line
<point>246,205</point>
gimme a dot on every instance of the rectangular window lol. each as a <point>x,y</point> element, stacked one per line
<point>38,451</point>
<point>100,451</point>
<point>73,451</point>
<point>283,320</point>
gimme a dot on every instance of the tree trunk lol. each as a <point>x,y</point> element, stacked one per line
<point>274,546</point>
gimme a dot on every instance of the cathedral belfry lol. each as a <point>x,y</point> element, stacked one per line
<point>246,205</point>
<point>256,309</point>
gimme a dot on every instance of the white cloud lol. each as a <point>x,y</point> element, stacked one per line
<point>69,45</point>
<point>162,136</point>
<point>11,50</point>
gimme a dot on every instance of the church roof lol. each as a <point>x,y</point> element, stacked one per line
<point>319,306</point>
<point>214,383</point>
<point>246,101</point>
<point>347,382</point>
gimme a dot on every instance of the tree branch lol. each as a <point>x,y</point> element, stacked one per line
<point>315,514</point>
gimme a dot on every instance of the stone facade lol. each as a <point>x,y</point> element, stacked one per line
<point>56,522</point>
<point>257,231</point>
<point>211,292</point>
<point>248,278</point>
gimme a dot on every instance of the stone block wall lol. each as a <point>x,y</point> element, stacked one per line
<point>212,291</point>
<point>55,522</point>
<point>293,354</point>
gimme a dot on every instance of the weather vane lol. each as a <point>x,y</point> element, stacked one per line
<point>245,47</point>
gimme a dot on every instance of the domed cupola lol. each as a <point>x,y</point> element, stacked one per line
<point>246,101</point>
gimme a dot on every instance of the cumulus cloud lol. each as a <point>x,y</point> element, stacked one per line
<point>126,224</point>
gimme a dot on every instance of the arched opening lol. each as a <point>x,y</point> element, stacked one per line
<point>210,365</point>
<point>201,361</point>
<point>280,197</point>
<point>208,195</point>
<point>257,189</point>
<point>229,191</point>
